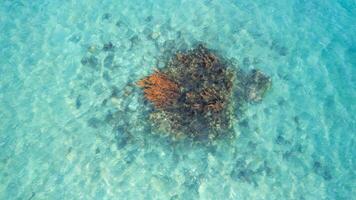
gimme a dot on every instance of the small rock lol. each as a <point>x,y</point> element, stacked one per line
<point>91,61</point>
<point>106,16</point>
<point>281,140</point>
<point>78,102</point>
<point>75,38</point>
<point>119,23</point>
<point>97,150</point>
<point>149,18</point>
<point>283,51</point>
<point>321,170</point>
<point>108,47</point>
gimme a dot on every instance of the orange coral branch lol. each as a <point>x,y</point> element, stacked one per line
<point>160,90</point>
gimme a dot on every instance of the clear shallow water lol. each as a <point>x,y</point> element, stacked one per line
<point>62,135</point>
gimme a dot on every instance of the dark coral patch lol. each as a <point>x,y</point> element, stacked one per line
<point>192,94</point>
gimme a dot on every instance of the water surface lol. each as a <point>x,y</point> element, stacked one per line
<point>64,135</point>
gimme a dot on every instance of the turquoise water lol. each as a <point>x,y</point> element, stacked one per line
<point>74,131</point>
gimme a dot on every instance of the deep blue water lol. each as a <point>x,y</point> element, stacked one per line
<point>64,136</point>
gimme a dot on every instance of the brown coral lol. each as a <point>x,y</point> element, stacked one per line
<point>160,90</point>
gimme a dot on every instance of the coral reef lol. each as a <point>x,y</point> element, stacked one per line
<point>191,94</point>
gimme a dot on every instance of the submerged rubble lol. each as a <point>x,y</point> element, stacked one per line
<point>192,95</point>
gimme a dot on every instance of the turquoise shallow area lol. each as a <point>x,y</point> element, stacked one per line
<point>64,136</point>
